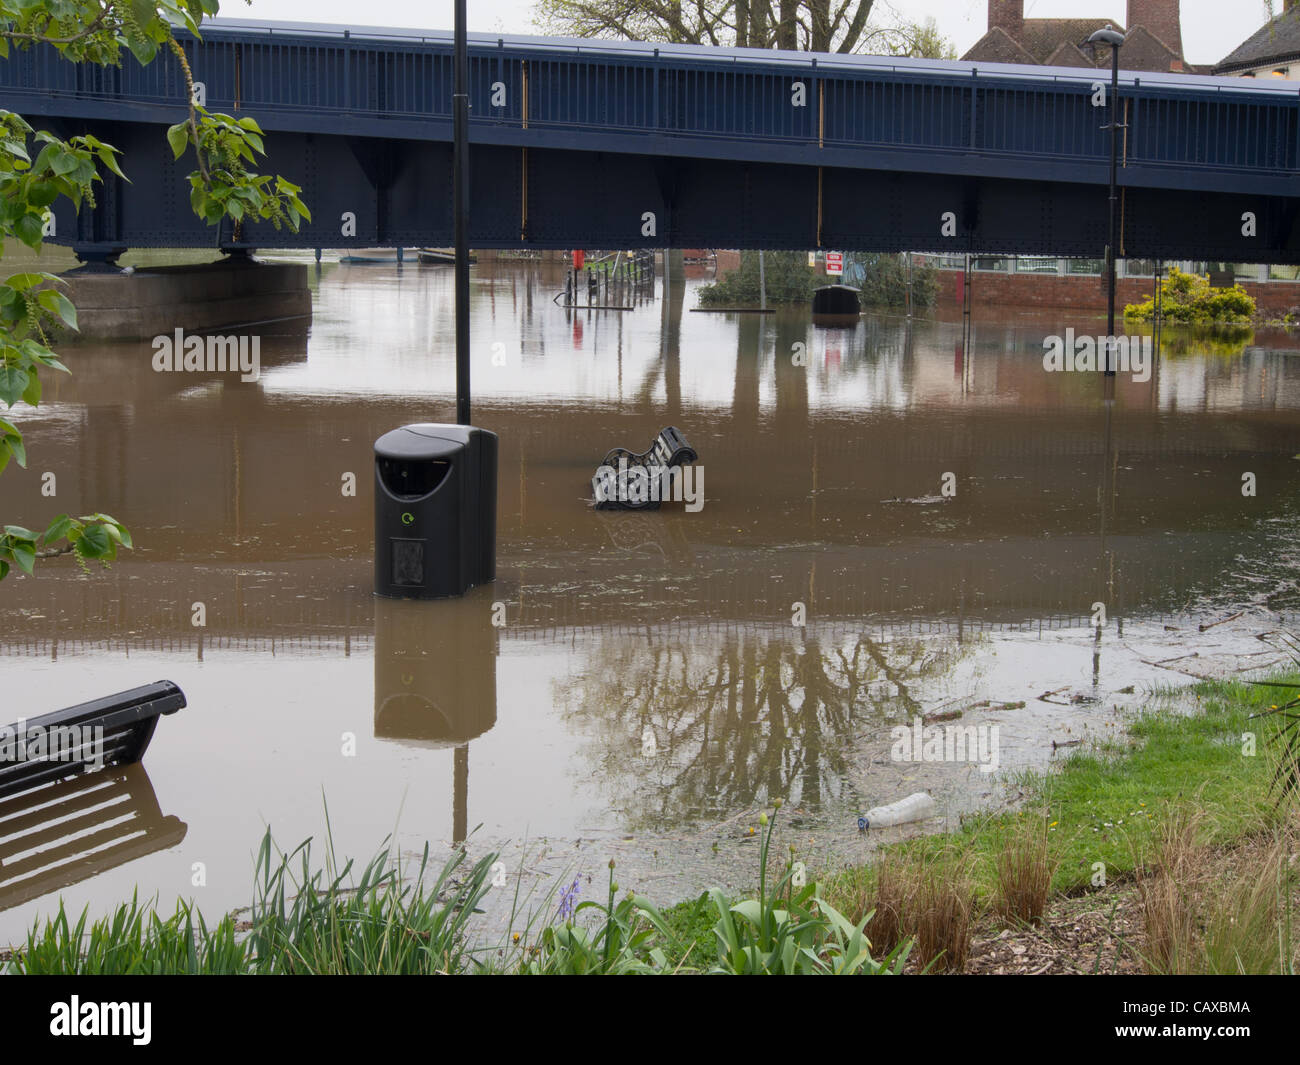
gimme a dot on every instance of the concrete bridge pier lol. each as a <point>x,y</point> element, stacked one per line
<point>117,304</point>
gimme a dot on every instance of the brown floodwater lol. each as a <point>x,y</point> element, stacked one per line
<point>649,689</point>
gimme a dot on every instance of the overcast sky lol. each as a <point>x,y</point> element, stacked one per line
<point>1211,28</point>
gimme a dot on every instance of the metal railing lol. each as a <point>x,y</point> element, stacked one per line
<point>729,95</point>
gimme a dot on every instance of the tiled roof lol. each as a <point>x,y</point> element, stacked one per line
<point>1059,42</point>
<point>997,46</point>
<point>1276,40</point>
<point>1068,54</point>
<point>1042,36</point>
<point>1143,50</point>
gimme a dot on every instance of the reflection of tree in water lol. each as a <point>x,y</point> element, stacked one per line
<point>695,731</point>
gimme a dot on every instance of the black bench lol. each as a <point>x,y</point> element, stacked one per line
<point>670,448</point>
<point>67,743</point>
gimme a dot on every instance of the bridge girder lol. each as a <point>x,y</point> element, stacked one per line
<point>398,193</point>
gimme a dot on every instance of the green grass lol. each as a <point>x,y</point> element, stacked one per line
<point>1105,805</point>
<point>692,926</point>
<point>304,920</point>
<point>390,920</point>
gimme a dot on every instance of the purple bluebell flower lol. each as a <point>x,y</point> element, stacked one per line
<point>567,897</point>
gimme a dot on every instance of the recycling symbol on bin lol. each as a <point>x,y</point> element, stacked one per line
<point>408,518</point>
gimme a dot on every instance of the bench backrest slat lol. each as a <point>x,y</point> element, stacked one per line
<point>112,730</point>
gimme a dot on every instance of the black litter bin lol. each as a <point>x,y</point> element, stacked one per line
<point>435,510</point>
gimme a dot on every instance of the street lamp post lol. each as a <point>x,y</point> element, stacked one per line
<point>1113,38</point>
<point>460,209</point>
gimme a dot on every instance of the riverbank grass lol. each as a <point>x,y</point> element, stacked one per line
<point>1185,816</point>
<point>1186,810</point>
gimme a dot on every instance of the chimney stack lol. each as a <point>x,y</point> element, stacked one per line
<point>1008,15</point>
<point>1161,18</point>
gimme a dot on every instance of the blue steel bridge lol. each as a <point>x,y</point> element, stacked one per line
<point>581,143</point>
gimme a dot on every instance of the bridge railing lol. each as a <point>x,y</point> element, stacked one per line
<point>801,105</point>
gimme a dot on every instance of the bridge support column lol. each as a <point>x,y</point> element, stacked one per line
<point>98,257</point>
<point>115,305</point>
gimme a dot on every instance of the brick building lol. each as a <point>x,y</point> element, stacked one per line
<point>1155,38</point>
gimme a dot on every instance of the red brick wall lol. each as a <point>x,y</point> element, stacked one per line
<point>1031,291</point>
<point>1161,17</point>
<point>1009,14</point>
<point>727,260</point>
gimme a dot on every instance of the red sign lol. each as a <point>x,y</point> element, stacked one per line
<point>834,262</point>
<point>579,256</point>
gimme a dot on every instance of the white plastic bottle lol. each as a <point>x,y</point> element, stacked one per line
<point>916,807</point>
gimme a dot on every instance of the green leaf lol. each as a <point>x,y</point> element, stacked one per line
<point>42,193</point>
<point>178,136</point>
<point>143,49</point>
<point>108,156</point>
<point>28,229</point>
<point>11,304</point>
<point>94,542</point>
<point>25,556</point>
<point>14,443</point>
<point>57,303</point>
<point>57,531</point>
<point>32,393</point>
<point>16,148</point>
<point>85,172</point>
<point>45,158</point>
<point>115,529</point>
<point>145,12</point>
<point>64,163</point>
<point>13,383</point>
<point>19,533</point>
<point>26,281</point>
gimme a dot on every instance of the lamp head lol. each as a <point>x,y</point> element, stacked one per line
<point>1106,35</point>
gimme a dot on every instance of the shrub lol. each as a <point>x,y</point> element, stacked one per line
<point>885,281</point>
<point>789,279</point>
<point>1188,299</point>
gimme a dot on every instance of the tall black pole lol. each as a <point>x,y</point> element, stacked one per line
<point>460,209</point>
<point>1114,210</point>
<point>1113,38</point>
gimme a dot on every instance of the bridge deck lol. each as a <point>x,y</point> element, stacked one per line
<point>623,145</point>
<point>998,120</point>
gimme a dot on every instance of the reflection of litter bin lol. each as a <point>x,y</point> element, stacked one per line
<point>435,510</point>
<point>435,671</point>
<point>436,681</point>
